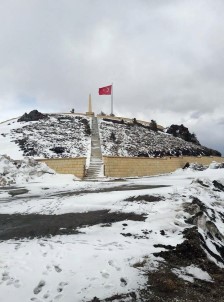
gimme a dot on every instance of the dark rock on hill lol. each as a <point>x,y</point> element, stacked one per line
<point>183,132</point>
<point>86,124</point>
<point>34,115</point>
<point>58,150</point>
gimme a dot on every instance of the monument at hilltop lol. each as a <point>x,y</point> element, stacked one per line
<point>90,112</point>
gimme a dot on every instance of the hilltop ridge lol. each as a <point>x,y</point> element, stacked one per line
<point>69,135</point>
<point>120,138</point>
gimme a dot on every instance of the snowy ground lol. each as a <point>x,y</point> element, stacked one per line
<point>69,134</point>
<point>109,258</point>
<point>128,139</point>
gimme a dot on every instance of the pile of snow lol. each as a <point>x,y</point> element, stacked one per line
<point>197,167</point>
<point>215,165</point>
<point>12,172</point>
<point>200,167</point>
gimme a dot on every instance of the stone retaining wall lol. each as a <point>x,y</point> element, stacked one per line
<point>139,166</point>
<point>74,166</point>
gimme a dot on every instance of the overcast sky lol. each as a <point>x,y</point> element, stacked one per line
<point>165,58</point>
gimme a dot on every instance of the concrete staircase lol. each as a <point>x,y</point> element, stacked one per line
<point>95,169</point>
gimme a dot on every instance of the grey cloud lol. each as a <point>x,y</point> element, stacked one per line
<point>196,115</point>
<point>161,55</point>
<point>220,121</point>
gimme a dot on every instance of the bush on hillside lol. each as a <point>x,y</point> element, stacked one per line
<point>182,132</point>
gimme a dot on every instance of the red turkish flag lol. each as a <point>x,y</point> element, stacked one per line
<point>105,90</point>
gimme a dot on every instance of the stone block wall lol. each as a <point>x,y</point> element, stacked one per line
<point>139,166</point>
<point>74,166</point>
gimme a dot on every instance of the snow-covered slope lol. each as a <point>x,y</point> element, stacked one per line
<point>129,139</point>
<point>66,135</point>
<point>58,135</point>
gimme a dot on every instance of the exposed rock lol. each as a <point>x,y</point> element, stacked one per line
<point>187,165</point>
<point>165,286</point>
<point>58,150</point>
<point>213,230</point>
<point>86,124</point>
<point>183,132</point>
<point>34,115</point>
<point>218,185</point>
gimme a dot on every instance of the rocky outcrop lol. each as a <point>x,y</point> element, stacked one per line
<point>34,115</point>
<point>183,132</point>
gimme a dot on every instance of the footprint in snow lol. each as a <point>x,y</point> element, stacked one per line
<point>5,276</point>
<point>105,274</point>
<point>10,280</point>
<point>39,287</point>
<point>47,295</point>
<point>14,282</point>
<point>48,269</point>
<point>57,268</point>
<point>111,263</point>
<point>58,297</point>
<point>36,300</point>
<point>108,286</point>
<point>17,246</point>
<point>61,286</point>
<point>41,244</point>
<point>123,282</point>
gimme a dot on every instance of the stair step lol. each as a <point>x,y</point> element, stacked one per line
<point>96,164</point>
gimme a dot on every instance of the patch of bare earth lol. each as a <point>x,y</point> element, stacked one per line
<point>18,226</point>
<point>144,198</point>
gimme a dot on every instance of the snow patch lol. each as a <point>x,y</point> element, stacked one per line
<point>191,272</point>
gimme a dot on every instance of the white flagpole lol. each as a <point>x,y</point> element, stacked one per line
<point>112,90</point>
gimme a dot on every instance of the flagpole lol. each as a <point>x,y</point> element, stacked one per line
<point>112,88</point>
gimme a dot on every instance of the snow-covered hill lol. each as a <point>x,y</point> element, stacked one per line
<point>119,138</point>
<point>68,135</point>
<point>132,240</point>
<point>58,135</point>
